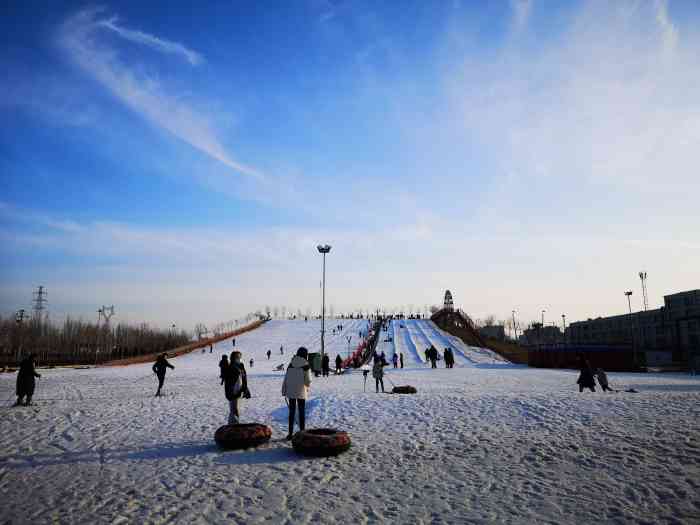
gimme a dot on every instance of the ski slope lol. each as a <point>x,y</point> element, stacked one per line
<point>413,336</point>
<point>290,335</point>
<point>478,444</point>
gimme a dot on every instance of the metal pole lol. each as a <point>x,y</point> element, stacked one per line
<point>629,305</point>
<point>323,309</point>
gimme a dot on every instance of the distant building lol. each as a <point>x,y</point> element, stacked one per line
<point>493,332</point>
<point>538,335</point>
<point>667,334</point>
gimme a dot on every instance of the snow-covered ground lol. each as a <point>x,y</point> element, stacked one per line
<point>481,443</point>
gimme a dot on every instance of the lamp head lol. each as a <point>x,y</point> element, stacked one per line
<point>325,248</point>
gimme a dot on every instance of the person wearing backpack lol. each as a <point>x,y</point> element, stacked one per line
<point>235,386</point>
<point>295,388</point>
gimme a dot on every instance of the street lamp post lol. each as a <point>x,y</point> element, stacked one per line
<point>563,320</point>
<point>323,249</point>
<point>628,294</point>
<point>542,327</point>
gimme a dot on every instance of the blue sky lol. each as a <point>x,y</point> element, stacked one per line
<point>182,163</point>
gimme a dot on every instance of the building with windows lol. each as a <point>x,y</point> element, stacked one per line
<point>670,334</point>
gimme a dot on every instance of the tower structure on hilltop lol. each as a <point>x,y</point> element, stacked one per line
<point>448,304</point>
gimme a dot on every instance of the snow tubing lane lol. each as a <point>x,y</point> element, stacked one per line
<point>243,435</point>
<point>321,442</point>
<point>404,390</point>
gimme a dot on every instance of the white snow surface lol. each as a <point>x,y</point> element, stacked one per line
<point>481,443</point>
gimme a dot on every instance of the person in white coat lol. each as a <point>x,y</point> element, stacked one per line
<point>295,387</point>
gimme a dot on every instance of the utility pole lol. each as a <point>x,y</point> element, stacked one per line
<point>515,328</point>
<point>645,299</point>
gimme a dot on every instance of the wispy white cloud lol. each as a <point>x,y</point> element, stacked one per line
<point>81,37</point>
<point>521,13</point>
<point>668,29</point>
<point>159,44</point>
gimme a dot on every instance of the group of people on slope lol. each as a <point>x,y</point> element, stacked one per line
<point>396,359</point>
<point>432,355</point>
<point>588,376</point>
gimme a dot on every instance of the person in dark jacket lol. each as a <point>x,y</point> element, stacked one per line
<point>449,358</point>
<point>26,380</point>
<point>159,368</point>
<point>338,364</point>
<point>235,386</point>
<point>401,359</point>
<point>326,365</point>
<point>433,356</point>
<point>602,378</point>
<point>585,379</point>
<point>223,365</point>
<point>269,353</point>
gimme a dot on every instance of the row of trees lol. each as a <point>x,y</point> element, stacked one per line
<point>81,342</point>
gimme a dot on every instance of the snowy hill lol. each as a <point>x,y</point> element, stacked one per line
<point>480,443</point>
<point>411,337</point>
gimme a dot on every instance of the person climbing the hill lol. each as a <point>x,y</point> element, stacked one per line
<point>251,362</point>
<point>427,354</point>
<point>26,381</point>
<point>295,387</point>
<point>326,365</point>
<point>378,374</point>
<point>585,379</point>
<point>401,359</point>
<point>235,387</point>
<point>269,353</point>
<point>338,364</point>
<point>602,379</point>
<point>159,369</point>
<point>211,348</point>
<point>223,365</point>
<point>281,350</point>
<point>395,360</point>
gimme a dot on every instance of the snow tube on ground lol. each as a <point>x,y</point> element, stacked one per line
<point>407,389</point>
<point>321,442</point>
<point>243,435</point>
